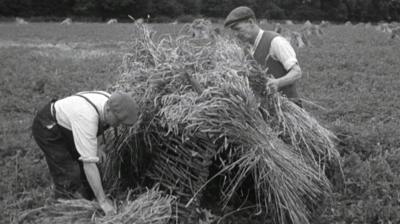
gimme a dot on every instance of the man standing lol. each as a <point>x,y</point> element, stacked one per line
<point>270,50</point>
<point>66,131</point>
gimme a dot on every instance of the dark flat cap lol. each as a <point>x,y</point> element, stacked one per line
<point>239,14</point>
<point>124,108</point>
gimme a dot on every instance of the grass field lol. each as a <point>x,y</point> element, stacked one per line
<point>352,72</point>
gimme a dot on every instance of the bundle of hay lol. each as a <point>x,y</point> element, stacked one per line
<point>150,207</point>
<point>20,21</point>
<point>112,21</point>
<point>368,25</point>
<point>348,23</point>
<point>67,21</point>
<point>205,102</point>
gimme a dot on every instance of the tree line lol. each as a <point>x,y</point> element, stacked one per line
<point>162,10</point>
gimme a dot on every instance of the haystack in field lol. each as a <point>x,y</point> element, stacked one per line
<point>311,30</point>
<point>201,28</point>
<point>384,27</point>
<point>306,25</point>
<point>285,32</point>
<point>395,32</point>
<point>324,24</point>
<point>263,22</point>
<point>298,40</point>
<point>112,21</point>
<point>277,27</point>
<point>150,207</point>
<point>20,21</point>
<point>205,101</point>
<point>67,21</point>
<point>289,22</point>
<point>368,25</point>
<point>139,21</point>
<point>348,23</point>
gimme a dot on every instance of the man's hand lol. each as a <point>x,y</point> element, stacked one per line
<point>107,207</point>
<point>272,86</point>
<point>101,153</point>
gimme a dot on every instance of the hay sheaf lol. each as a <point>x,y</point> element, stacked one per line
<point>203,99</point>
<point>152,206</point>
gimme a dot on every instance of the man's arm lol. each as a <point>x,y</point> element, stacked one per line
<point>93,177</point>
<point>291,77</point>
<point>282,51</point>
<point>273,85</point>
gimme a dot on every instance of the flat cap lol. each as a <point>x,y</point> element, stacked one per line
<point>124,108</point>
<point>239,14</point>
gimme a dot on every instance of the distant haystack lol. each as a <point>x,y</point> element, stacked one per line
<point>316,29</point>
<point>348,23</point>
<point>289,22</point>
<point>263,22</point>
<point>112,21</point>
<point>139,21</point>
<point>368,25</point>
<point>20,21</point>
<point>174,22</point>
<point>361,24</point>
<point>384,27</point>
<point>201,28</point>
<point>136,21</point>
<point>393,25</point>
<point>395,33</point>
<point>323,24</point>
<point>67,21</point>
<point>298,40</point>
<point>307,23</point>
<point>279,29</point>
<point>309,30</point>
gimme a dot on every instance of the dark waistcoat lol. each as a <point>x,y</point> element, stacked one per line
<point>261,55</point>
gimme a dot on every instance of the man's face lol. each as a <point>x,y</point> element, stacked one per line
<point>110,117</point>
<point>244,30</point>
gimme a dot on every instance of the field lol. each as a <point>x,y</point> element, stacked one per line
<point>351,73</point>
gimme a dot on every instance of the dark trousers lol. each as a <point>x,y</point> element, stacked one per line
<point>58,146</point>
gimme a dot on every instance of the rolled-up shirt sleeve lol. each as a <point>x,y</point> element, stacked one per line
<point>282,51</point>
<point>84,131</point>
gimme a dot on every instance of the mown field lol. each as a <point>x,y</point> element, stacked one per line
<point>352,73</point>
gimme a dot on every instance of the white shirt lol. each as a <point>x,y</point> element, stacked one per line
<point>280,50</point>
<point>76,114</point>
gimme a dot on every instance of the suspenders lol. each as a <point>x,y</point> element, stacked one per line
<point>100,126</point>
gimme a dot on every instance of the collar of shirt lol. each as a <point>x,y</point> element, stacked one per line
<point>257,41</point>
